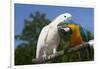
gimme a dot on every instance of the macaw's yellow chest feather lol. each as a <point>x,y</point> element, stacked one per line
<point>76,38</point>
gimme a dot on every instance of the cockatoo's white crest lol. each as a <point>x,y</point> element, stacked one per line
<point>62,18</point>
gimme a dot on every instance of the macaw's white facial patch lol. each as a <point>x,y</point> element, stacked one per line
<point>66,29</point>
<point>91,42</point>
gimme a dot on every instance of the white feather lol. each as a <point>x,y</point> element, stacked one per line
<point>91,43</point>
<point>41,42</point>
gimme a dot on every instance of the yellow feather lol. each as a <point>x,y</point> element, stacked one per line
<point>76,38</point>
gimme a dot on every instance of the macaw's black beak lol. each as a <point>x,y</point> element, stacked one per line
<point>63,29</point>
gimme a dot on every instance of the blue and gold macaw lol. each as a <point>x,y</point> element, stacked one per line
<point>78,34</point>
<point>75,34</point>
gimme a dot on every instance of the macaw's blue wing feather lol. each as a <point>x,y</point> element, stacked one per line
<point>83,33</point>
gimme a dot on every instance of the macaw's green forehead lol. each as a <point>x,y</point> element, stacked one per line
<point>62,24</point>
<point>67,21</point>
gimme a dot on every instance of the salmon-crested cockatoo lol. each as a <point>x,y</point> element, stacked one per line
<point>49,38</point>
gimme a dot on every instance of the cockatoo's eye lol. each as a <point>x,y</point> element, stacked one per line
<point>67,20</point>
<point>65,16</point>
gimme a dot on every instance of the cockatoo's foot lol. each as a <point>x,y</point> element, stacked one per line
<point>44,56</point>
<point>54,51</point>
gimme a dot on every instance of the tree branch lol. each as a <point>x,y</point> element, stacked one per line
<point>60,53</point>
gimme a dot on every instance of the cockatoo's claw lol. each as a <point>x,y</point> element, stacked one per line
<point>54,51</point>
<point>44,57</point>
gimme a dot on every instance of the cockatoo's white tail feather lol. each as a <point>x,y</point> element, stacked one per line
<point>41,41</point>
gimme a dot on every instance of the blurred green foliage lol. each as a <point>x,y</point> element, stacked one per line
<point>26,51</point>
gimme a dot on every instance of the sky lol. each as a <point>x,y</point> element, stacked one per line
<point>80,15</point>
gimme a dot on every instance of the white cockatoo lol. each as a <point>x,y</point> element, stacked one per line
<point>49,37</point>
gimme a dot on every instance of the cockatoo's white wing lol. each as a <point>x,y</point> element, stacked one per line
<point>41,42</point>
